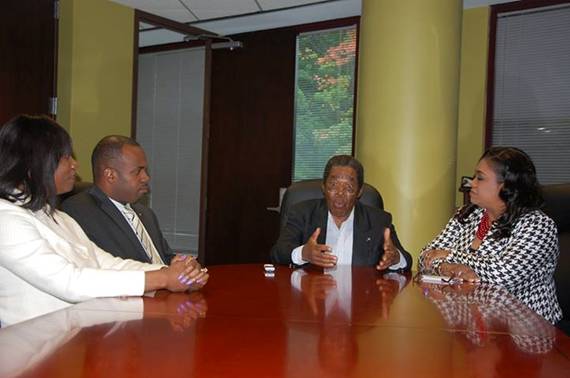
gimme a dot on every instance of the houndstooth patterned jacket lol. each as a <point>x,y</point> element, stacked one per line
<point>523,263</point>
<point>489,309</point>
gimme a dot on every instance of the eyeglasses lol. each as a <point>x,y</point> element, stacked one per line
<point>336,188</point>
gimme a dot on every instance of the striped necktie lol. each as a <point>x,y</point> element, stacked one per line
<point>142,235</point>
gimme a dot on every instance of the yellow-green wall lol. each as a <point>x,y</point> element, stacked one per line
<point>95,73</point>
<point>454,111</point>
<point>408,109</point>
<point>472,91</point>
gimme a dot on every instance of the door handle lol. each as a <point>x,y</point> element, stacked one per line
<point>277,208</point>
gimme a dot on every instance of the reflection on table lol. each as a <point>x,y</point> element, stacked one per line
<point>480,311</point>
<point>298,323</point>
<point>109,321</point>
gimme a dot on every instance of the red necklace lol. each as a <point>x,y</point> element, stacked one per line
<point>484,226</point>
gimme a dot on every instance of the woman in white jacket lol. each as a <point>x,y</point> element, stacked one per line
<point>46,260</point>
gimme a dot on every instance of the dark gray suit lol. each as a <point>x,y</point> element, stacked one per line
<point>107,227</point>
<point>368,234</point>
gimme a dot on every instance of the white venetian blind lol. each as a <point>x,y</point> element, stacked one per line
<point>324,99</point>
<point>169,127</point>
<point>532,88</point>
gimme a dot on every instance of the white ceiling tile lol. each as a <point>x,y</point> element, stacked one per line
<point>303,15</point>
<point>277,4</point>
<point>179,14</point>
<point>206,9</point>
<point>150,4</point>
<point>314,11</point>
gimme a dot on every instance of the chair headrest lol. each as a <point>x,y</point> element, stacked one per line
<point>311,189</point>
<point>557,205</point>
<point>78,187</point>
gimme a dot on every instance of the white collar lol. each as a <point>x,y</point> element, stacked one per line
<point>348,220</point>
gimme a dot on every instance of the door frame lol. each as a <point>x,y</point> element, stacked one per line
<point>164,23</point>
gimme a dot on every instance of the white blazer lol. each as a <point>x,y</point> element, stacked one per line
<point>49,263</point>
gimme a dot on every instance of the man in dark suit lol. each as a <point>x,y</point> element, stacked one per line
<point>107,211</point>
<point>338,229</point>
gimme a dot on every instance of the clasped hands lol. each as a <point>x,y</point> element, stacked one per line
<point>321,254</point>
<point>186,273</point>
<point>456,271</point>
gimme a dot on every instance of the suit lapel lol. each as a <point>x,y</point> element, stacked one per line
<point>320,220</point>
<point>118,219</point>
<point>362,240</point>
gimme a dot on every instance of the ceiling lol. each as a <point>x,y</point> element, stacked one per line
<point>226,17</point>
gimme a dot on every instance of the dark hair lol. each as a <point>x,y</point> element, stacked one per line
<point>30,150</point>
<point>345,161</point>
<point>520,192</point>
<point>109,148</point>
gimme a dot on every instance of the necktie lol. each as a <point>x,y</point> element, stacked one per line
<point>142,235</point>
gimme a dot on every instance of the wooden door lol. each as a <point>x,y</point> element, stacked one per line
<point>250,145</point>
<point>27,57</point>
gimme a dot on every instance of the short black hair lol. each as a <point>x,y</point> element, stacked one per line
<point>30,150</point>
<point>345,161</point>
<point>109,148</point>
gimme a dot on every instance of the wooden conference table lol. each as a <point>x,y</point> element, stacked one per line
<point>352,322</point>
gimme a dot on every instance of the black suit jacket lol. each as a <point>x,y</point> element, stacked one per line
<point>107,227</point>
<point>368,242</point>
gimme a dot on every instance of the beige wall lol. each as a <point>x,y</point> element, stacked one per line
<point>94,73</point>
<point>472,92</point>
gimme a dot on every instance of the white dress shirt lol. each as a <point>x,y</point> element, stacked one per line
<point>47,263</point>
<point>340,240</point>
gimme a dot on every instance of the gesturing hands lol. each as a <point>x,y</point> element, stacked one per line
<point>318,254</point>
<point>391,255</point>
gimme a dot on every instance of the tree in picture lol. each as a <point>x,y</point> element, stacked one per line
<point>324,99</point>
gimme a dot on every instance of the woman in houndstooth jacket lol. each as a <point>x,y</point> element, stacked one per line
<point>502,237</point>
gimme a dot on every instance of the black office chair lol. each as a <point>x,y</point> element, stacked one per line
<point>557,206</point>
<point>311,189</point>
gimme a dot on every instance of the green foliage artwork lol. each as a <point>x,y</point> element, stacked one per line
<point>324,99</point>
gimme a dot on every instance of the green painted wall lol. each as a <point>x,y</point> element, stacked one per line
<point>94,73</point>
<point>406,132</point>
<point>472,92</point>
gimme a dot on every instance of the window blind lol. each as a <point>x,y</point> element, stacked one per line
<point>532,88</point>
<point>169,127</point>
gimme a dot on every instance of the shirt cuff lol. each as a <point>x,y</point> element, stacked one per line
<point>297,256</point>
<point>401,264</point>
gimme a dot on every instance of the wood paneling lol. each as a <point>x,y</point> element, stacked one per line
<point>27,57</point>
<point>250,146</point>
